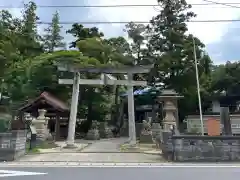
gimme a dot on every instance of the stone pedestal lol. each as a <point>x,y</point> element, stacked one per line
<point>156,130</point>
<point>93,133</point>
<point>40,125</point>
<point>146,133</point>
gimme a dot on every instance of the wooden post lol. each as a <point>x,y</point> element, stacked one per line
<point>57,128</point>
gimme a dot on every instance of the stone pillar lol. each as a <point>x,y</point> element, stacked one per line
<point>73,112</point>
<point>156,128</point>
<point>131,114</point>
<point>40,124</point>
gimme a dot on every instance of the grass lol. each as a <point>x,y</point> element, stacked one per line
<point>139,147</point>
<point>47,145</point>
<point>44,145</point>
<point>31,151</point>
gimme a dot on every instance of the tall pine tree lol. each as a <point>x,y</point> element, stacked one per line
<point>172,48</point>
<point>52,39</point>
<point>29,43</point>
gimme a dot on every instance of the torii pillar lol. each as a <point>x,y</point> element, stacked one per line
<point>73,111</point>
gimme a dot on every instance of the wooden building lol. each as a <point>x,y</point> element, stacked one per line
<point>57,111</point>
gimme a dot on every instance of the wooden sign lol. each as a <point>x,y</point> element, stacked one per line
<point>213,127</point>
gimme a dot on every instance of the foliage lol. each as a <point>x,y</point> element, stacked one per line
<point>52,39</point>
<point>173,51</point>
<point>28,59</point>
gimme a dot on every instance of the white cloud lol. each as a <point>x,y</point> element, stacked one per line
<point>207,32</point>
<point>210,32</point>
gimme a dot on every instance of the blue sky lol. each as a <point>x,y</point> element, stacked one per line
<point>221,39</point>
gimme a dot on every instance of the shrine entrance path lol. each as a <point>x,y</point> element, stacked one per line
<point>102,151</point>
<point>105,146</point>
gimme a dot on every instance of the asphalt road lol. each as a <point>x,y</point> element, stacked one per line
<point>127,173</point>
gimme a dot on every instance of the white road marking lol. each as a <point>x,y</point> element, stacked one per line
<point>7,173</point>
<point>121,165</point>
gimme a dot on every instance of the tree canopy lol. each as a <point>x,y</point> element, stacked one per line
<point>27,58</point>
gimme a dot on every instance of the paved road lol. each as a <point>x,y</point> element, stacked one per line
<point>119,173</point>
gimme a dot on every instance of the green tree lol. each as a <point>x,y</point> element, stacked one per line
<point>136,34</point>
<point>80,33</point>
<point>119,44</point>
<point>122,49</point>
<point>225,78</point>
<point>87,42</point>
<point>9,53</point>
<point>140,52</point>
<point>29,40</point>
<point>172,49</point>
<point>52,39</point>
<point>109,52</point>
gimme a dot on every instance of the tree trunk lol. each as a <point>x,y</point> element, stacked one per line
<point>115,111</point>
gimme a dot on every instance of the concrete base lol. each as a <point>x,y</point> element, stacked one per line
<point>70,146</point>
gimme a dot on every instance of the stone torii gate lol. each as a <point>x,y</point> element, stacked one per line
<point>106,79</point>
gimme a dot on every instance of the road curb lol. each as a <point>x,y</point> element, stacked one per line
<point>119,164</point>
<point>85,152</point>
<point>95,152</point>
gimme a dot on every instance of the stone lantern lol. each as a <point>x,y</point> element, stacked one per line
<point>170,98</point>
<point>40,124</point>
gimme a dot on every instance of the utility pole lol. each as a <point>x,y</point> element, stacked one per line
<point>198,87</point>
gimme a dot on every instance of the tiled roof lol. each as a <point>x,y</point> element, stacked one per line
<point>54,101</point>
<point>50,99</point>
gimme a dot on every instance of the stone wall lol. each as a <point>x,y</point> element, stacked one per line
<point>12,145</point>
<point>199,148</point>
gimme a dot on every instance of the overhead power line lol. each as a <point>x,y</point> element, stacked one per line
<point>223,4</point>
<point>112,6</point>
<point>137,22</point>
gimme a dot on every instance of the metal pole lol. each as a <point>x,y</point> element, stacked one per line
<point>198,87</point>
